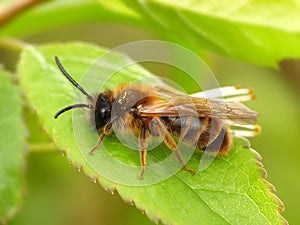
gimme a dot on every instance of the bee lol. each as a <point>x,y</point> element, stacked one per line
<point>161,111</point>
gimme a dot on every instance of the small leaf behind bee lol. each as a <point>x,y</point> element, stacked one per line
<point>12,147</point>
<point>232,190</point>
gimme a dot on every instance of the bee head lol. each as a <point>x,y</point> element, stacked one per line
<point>68,76</point>
<point>103,109</point>
<point>100,109</point>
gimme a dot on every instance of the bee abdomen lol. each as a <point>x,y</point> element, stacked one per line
<point>202,132</point>
<point>209,131</point>
<point>185,128</point>
<point>222,142</point>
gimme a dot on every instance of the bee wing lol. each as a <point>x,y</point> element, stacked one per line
<point>190,106</point>
<point>167,92</point>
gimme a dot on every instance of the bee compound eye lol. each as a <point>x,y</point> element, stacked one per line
<point>102,111</point>
<point>103,99</point>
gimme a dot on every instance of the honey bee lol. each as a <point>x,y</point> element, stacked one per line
<point>162,111</point>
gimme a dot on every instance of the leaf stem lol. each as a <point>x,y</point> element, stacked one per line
<point>42,147</point>
<point>10,12</point>
<point>13,44</point>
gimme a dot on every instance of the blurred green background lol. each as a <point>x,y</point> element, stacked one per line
<point>52,185</point>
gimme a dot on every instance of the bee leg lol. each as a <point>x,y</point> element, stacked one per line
<point>173,146</point>
<point>143,149</point>
<point>105,132</point>
<point>170,142</point>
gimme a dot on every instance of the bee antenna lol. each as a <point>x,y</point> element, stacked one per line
<point>71,107</point>
<point>68,76</point>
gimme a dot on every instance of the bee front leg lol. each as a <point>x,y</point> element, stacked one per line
<point>143,149</point>
<point>106,131</point>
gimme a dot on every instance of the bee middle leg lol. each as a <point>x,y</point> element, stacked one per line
<point>143,149</point>
<point>170,142</point>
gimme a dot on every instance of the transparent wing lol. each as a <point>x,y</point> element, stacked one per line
<point>177,104</point>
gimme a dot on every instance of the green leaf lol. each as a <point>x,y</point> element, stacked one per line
<point>260,32</point>
<point>245,31</point>
<point>12,146</point>
<point>232,190</point>
<point>59,13</point>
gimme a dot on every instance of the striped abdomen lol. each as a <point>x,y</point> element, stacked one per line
<point>205,133</point>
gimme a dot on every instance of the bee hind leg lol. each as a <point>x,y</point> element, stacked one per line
<point>180,159</point>
<point>170,142</point>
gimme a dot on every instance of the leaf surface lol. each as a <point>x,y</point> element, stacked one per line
<point>12,147</point>
<point>232,190</point>
<point>243,30</point>
<point>59,13</point>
